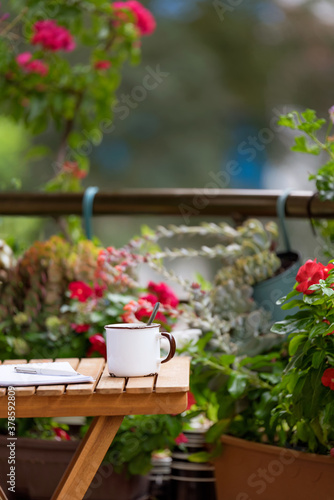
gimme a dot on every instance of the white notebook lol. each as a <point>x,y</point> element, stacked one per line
<point>8,375</point>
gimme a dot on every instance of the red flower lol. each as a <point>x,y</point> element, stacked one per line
<point>191,400</point>
<point>181,439</point>
<point>52,36</point>
<point>71,167</point>
<point>332,452</point>
<point>327,378</point>
<point>310,274</point>
<point>99,290</point>
<point>102,65</point>
<point>144,19</point>
<point>61,434</point>
<point>98,345</point>
<point>80,328</point>
<point>79,290</point>
<point>164,294</point>
<point>30,65</point>
<point>327,268</point>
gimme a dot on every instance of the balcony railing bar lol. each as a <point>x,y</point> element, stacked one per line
<point>176,202</point>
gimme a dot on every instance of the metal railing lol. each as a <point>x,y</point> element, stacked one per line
<point>203,202</point>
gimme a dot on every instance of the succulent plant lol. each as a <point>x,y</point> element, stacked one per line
<point>228,310</point>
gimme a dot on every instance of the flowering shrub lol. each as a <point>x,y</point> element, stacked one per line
<point>40,86</point>
<point>305,409</point>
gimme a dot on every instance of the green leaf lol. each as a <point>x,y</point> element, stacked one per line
<point>216,430</point>
<point>287,121</point>
<point>302,146</point>
<point>295,342</point>
<point>309,115</point>
<point>318,358</point>
<point>227,359</point>
<point>37,152</point>
<point>237,384</point>
<point>200,457</point>
<point>292,304</point>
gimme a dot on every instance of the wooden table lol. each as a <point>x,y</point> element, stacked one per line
<point>108,399</point>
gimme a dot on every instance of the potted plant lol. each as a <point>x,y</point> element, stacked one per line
<point>282,408</point>
<point>273,412</point>
<point>55,300</point>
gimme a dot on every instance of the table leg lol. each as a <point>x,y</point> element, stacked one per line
<point>87,458</point>
<point>2,494</point>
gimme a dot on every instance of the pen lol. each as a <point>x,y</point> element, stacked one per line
<point>44,371</point>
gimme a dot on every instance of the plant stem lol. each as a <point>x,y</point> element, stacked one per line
<point>14,22</point>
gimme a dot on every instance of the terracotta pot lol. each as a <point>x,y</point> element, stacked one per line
<point>41,463</point>
<point>249,471</point>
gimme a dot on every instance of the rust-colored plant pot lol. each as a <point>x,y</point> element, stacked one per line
<point>41,463</point>
<point>249,471</point>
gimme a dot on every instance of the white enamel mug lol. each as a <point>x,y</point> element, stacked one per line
<point>133,349</point>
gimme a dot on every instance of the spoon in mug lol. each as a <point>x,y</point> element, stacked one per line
<point>154,313</point>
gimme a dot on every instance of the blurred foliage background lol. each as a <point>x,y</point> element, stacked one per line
<point>224,71</point>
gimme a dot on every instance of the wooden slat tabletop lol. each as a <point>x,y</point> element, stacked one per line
<point>139,385</point>
<point>110,385</point>
<point>173,377</point>
<point>93,367</point>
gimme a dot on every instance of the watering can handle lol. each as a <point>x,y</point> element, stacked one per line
<point>280,208</point>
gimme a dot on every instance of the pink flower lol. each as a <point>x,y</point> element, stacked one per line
<point>61,434</point>
<point>79,290</point>
<point>30,65</point>
<point>181,439</point>
<point>102,65</point>
<point>23,58</point>
<point>331,113</point>
<point>80,328</point>
<point>52,36</point>
<point>164,294</point>
<point>98,345</point>
<point>144,19</point>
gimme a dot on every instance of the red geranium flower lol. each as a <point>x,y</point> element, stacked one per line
<point>144,19</point>
<point>181,439</point>
<point>52,36</point>
<point>79,290</point>
<point>98,345</point>
<point>61,434</point>
<point>164,294</point>
<point>72,167</point>
<point>310,274</point>
<point>102,65</point>
<point>99,290</point>
<point>30,65</point>
<point>80,328</point>
<point>191,400</point>
<point>327,378</point>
